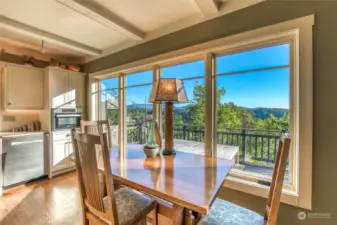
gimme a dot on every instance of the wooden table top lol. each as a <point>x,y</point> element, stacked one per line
<point>186,179</point>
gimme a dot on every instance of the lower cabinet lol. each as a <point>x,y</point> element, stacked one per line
<point>62,157</point>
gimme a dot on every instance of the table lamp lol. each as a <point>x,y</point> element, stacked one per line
<point>168,91</point>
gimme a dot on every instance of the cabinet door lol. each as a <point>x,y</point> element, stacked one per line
<point>23,88</point>
<point>59,88</point>
<point>59,160</point>
<point>77,88</point>
<point>71,155</point>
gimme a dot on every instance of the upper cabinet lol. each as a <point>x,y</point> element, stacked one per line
<point>67,88</point>
<point>23,88</point>
<point>77,87</point>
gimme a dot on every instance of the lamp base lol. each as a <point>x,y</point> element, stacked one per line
<point>169,152</point>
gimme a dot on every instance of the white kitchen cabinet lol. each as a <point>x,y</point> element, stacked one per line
<point>23,88</point>
<point>77,87</point>
<point>62,157</point>
<point>59,160</point>
<point>67,88</point>
<point>58,87</point>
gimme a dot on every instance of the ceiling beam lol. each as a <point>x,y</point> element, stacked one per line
<point>208,7</point>
<point>103,16</point>
<point>34,32</point>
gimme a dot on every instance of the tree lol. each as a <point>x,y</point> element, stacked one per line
<point>195,116</point>
<point>178,121</point>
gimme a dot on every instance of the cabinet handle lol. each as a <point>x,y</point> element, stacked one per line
<point>9,103</point>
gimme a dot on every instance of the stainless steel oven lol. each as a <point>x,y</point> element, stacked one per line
<point>66,118</point>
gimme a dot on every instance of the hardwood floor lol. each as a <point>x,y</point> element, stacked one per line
<point>44,202</point>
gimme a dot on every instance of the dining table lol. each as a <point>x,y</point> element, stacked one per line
<point>184,184</point>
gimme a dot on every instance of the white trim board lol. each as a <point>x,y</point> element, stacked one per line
<point>203,48</point>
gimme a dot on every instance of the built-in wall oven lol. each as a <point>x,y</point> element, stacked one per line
<point>64,118</point>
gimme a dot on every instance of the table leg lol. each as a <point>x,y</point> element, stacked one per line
<point>191,217</point>
<point>178,215</point>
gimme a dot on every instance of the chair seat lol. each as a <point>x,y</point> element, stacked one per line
<point>129,204</point>
<point>226,213</point>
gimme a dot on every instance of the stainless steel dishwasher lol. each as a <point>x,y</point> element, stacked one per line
<point>23,159</point>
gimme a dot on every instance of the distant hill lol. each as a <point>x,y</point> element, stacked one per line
<point>263,113</point>
<point>140,106</point>
<point>149,106</point>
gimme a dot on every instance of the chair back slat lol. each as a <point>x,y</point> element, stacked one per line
<point>104,127</point>
<point>86,162</point>
<point>89,127</point>
<point>274,197</point>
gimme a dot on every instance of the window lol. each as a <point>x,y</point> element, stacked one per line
<point>253,90</point>
<point>108,107</point>
<point>189,118</point>
<point>256,86</point>
<point>139,112</point>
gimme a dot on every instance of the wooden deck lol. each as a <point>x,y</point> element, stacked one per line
<point>223,151</point>
<point>226,152</point>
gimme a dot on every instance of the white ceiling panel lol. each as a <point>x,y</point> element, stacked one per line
<point>54,17</point>
<point>11,41</point>
<point>149,15</point>
<point>85,30</point>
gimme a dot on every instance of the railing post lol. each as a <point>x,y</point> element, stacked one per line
<point>140,134</point>
<point>184,131</point>
<point>243,145</point>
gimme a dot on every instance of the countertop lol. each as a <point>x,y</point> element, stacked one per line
<point>15,134</point>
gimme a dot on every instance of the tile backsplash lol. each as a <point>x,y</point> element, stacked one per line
<point>10,121</point>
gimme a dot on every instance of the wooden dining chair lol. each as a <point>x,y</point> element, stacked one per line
<point>97,127</point>
<point>226,213</point>
<point>122,207</point>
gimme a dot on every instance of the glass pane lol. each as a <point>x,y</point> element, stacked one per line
<point>189,119</point>
<point>139,112</point>
<point>109,110</point>
<point>109,83</point>
<point>145,77</point>
<point>187,70</point>
<point>253,111</point>
<point>254,59</point>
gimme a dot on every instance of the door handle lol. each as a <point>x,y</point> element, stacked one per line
<point>3,161</point>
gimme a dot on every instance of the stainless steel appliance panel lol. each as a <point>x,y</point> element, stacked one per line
<point>23,159</point>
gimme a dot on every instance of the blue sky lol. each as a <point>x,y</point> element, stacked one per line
<point>254,89</point>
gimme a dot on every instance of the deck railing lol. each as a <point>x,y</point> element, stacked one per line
<point>255,146</point>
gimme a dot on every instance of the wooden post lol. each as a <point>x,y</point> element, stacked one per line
<point>169,129</point>
<point>243,145</point>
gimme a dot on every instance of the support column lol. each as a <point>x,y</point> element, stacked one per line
<point>210,106</point>
<point>156,107</point>
<point>122,138</point>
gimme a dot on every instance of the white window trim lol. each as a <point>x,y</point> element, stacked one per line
<point>301,32</point>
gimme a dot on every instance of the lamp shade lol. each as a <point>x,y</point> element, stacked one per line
<point>168,90</point>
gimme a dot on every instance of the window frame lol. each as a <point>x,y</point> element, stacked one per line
<point>291,40</point>
<point>299,32</point>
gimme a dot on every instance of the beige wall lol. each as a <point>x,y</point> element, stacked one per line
<point>325,88</point>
